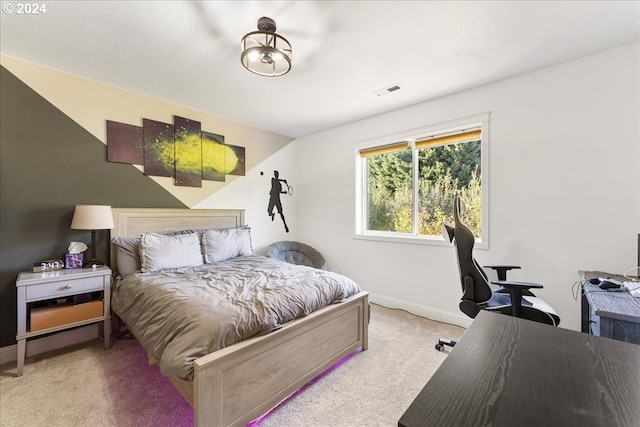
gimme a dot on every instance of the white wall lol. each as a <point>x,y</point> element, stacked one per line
<point>564,195</point>
<point>252,194</point>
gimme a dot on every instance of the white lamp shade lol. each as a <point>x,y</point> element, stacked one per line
<point>92,217</point>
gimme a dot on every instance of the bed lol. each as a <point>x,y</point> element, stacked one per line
<point>238,383</point>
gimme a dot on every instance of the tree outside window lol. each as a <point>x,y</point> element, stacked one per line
<point>407,188</point>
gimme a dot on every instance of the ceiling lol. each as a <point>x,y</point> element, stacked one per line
<point>188,52</point>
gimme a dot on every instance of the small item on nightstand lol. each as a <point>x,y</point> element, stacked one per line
<point>73,260</point>
<point>48,265</point>
<point>74,256</point>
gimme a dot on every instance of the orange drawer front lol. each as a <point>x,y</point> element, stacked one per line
<point>51,317</point>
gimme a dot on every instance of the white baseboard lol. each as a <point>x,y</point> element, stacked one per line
<point>51,342</point>
<point>422,310</point>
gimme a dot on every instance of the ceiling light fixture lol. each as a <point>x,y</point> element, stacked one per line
<point>264,52</point>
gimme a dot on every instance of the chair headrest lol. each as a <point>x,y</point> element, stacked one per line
<point>448,231</point>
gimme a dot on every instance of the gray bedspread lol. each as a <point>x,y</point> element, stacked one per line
<point>181,314</point>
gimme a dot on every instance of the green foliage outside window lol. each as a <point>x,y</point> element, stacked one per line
<point>443,172</point>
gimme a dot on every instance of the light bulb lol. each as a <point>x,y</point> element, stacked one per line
<point>254,56</point>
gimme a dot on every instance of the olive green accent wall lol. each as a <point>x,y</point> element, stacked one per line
<point>48,164</point>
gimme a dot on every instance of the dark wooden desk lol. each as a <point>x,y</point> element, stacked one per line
<point>506,371</point>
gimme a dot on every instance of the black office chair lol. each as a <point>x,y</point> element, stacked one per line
<point>508,299</point>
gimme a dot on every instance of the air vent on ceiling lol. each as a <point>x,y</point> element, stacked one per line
<point>387,90</point>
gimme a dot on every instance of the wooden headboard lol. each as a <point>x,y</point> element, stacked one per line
<point>132,222</point>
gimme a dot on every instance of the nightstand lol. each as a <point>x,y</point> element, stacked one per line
<point>53,301</point>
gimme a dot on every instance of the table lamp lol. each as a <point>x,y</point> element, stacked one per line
<point>92,217</point>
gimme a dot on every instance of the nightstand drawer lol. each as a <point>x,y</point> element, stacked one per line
<point>64,288</point>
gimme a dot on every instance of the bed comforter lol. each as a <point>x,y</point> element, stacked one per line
<point>180,315</point>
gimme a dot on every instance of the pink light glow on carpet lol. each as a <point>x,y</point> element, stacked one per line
<point>330,369</point>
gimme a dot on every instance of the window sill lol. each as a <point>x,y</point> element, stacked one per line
<point>411,239</point>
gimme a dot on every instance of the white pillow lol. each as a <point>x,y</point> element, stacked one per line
<point>161,251</point>
<point>222,244</point>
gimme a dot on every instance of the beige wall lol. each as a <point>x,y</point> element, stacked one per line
<point>91,104</point>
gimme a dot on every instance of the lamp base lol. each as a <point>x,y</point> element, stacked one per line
<point>92,263</point>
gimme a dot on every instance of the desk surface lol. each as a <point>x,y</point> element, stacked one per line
<point>507,371</point>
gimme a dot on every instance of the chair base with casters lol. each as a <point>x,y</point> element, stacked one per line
<point>444,342</point>
<point>512,298</point>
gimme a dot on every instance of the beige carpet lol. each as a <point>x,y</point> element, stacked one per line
<point>85,385</point>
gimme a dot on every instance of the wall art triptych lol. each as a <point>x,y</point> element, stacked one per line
<point>181,150</point>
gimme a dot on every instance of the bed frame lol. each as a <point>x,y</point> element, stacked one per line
<point>235,385</point>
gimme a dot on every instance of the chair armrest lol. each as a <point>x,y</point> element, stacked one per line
<point>509,284</point>
<point>516,289</point>
<point>504,290</point>
<point>502,270</point>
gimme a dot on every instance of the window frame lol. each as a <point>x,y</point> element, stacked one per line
<point>479,120</point>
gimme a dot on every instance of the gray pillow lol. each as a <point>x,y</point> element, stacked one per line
<point>226,243</point>
<point>127,255</point>
<point>161,251</point>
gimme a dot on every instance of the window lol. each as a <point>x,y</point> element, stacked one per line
<point>406,182</point>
